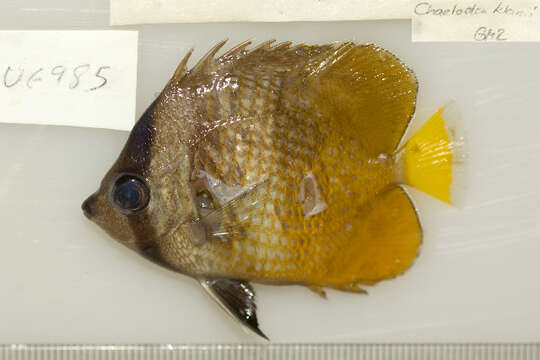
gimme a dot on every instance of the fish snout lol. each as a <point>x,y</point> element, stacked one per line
<point>89,206</point>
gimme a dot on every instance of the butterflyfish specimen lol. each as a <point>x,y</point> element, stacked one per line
<point>282,165</point>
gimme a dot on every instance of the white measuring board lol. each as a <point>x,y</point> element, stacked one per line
<point>276,352</point>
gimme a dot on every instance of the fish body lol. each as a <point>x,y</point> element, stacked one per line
<point>279,165</point>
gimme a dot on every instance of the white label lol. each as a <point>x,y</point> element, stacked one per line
<point>168,11</point>
<point>73,78</point>
<point>477,21</point>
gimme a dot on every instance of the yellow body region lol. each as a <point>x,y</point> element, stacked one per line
<point>329,209</point>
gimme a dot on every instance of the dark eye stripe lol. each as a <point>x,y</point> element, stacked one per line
<point>136,153</point>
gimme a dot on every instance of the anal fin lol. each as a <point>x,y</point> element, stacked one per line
<point>351,287</point>
<point>384,243</point>
<point>318,290</point>
<point>237,298</point>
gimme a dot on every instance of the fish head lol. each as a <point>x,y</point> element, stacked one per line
<point>146,196</point>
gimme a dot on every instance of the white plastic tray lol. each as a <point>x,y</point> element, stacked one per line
<point>64,280</point>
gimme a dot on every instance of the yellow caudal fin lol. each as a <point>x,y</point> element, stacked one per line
<point>432,160</point>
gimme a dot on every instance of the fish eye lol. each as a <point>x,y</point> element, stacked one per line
<point>129,194</point>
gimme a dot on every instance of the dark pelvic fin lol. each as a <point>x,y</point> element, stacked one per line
<point>237,298</point>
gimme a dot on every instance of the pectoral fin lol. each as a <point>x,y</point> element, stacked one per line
<point>227,220</point>
<point>237,298</point>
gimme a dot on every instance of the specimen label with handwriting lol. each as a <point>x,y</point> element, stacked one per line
<point>476,21</point>
<point>74,78</point>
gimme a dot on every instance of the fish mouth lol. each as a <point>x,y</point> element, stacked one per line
<point>89,206</point>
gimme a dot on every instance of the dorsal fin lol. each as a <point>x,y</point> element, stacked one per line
<point>368,86</point>
<point>372,94</point>
<point>238,52</point>
<point>263,46</point>
<point>208,58</point>
<point>242,52</point>
<point>235,51</point>
<point>181,70</point>
<point>283,45</point>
